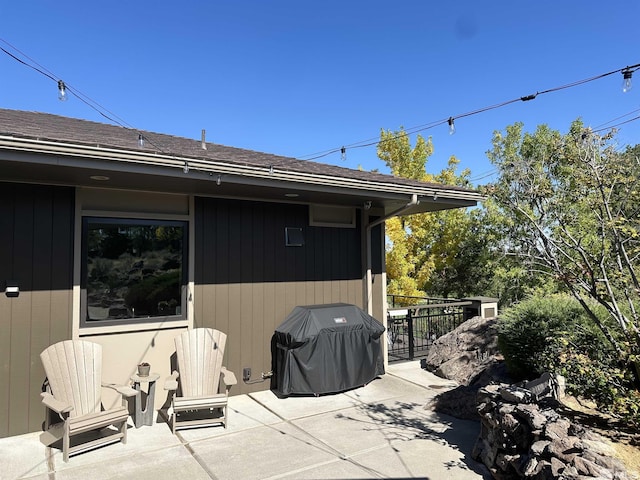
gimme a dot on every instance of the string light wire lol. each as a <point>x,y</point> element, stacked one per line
<point>112,117</point>
<point>600,128</point>
<point>104,112</point>
<point>450,119</point>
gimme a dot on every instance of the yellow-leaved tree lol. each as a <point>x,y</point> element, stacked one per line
<point>442,253</point>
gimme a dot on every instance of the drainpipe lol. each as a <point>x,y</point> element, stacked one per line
<point>368,283</point>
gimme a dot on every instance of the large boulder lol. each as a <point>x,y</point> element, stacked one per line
<point>469,354</point>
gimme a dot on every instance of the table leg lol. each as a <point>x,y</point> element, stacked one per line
<point>147,414</point>
<point>137,420</point>
<point>144,413</point>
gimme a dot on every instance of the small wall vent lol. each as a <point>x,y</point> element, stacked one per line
<point>293,237</point>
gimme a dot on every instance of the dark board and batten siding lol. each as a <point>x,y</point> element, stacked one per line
<point>36,234</point>
<point>244,242</point>
<point>247,280</point>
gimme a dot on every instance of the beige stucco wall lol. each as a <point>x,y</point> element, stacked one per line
<point>122,352</point>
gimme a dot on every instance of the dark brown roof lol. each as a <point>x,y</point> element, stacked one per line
<point>48,127</point>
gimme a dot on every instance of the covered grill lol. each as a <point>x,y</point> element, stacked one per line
<point>326,349</point>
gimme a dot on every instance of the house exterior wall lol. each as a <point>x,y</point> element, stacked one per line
<point>243,280</point>
<point>247,281</point>
<point>36,234</point>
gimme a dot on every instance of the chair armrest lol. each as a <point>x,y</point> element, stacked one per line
<point>228,377</point>
<point>56,405</point>
<point>123,390</point>
<point>171,382</point>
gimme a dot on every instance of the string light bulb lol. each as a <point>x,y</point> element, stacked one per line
<point>140,140</point>
<point>452,126</point>
<point>219,180</point>
<point>62,91</point>
<point>627,73</point>
<point>185,167</point>
<point>343,153</point>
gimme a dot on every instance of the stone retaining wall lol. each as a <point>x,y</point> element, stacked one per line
<point>533,441</point>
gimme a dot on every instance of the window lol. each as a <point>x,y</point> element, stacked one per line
<point>133,271</point>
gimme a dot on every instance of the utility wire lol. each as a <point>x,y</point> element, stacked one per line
<point>600,128</point>
<point>47,73</point>
<point>27,64</point>
<point>617,124</point>
<point>450,120</point>
<point>104,112</point>
<point>112,117</point>
<point>617,118</point>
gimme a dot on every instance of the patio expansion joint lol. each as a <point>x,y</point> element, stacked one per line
<point>187,445</point>
<point>340,456</point>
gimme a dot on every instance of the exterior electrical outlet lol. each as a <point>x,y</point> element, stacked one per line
<point>246,373</point>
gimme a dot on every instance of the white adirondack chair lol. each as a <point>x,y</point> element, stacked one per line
<point>74,373</point>
<point>199,355</point>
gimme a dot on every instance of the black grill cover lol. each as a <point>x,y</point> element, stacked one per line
<point>326,349</point>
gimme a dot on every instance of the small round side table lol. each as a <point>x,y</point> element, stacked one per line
<point>144,416</point>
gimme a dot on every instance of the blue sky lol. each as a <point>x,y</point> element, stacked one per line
<point>298,78</point>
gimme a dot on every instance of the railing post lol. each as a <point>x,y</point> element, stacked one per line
<point>410,333</point>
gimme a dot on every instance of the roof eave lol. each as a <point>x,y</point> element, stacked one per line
<point>78,155</point>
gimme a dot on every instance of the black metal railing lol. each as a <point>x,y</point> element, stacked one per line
<point>412,329</point>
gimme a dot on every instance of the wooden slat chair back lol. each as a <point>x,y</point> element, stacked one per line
<point>74,373</point>
<point>199,355</point>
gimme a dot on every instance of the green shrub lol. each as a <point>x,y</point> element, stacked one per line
<point>525,330</point>
<point>554,334</point>
<point>596,373</point>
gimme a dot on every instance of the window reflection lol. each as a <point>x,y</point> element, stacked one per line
<point>133,269</point>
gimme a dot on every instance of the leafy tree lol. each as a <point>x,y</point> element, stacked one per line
<point>506,277</point>
<point>408,265</point>
<point>438,254</point>
<point>572,201</point>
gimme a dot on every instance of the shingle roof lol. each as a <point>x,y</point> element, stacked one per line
<point>49,127</point>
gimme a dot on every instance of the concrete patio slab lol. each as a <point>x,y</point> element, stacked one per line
<point>338,469</point>
<point>243,413</point>
<point>173,462</point>
<point>381,430</point>
<point>420,458</point>
<point>302,406</point>
<point>412,372</point>
<point>447,458</point>
<point>22,456</point>
<point>384,388</point>
<point>352,430</point>
<point>272,450</point>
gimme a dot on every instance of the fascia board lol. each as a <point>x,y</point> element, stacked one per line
<point>71,155</point>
